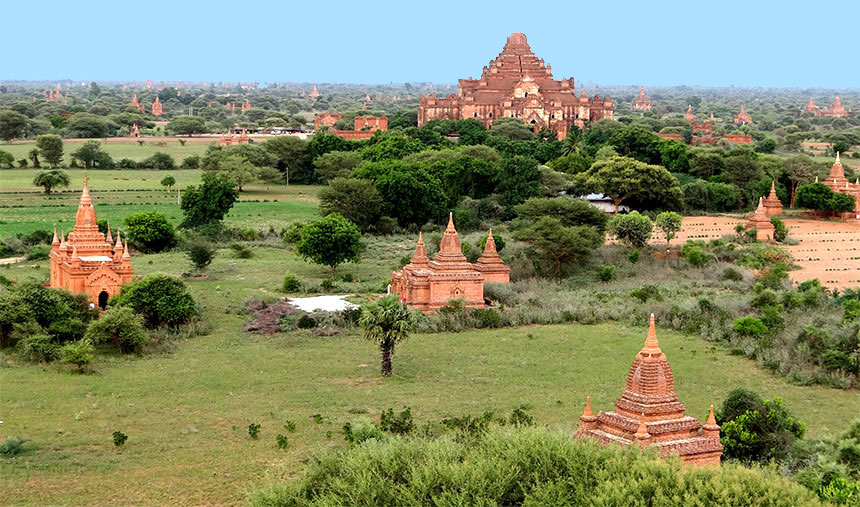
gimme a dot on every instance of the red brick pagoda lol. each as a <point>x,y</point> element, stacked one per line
<point>517,84</point>
<point>760,221</point>
<point>135,103</point>
<point>837,182</point>
<point>491,265</point>
<point>772,204</point>
<point>156,107</point>
<point>86,262</point>
<point>742,117</point>
<point>641,102</point>
<point>648,413</point>
<point>314,93</point>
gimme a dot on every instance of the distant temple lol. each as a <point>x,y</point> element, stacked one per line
<point>314,93</point>
<point>156,107</point>
<point>431,284</point>
<point>363,126</point>
<point>135,131</point>
<point>86,262</point>
<point>228,139</point>
<point>837,182</point>
<point>135,103</point>
<point>742,117</point>
<point>648,413</point>
<point>703,132</point>
<point>246,105</point>
<point>836,110</point>
<point>641,102</point>
<point>517,84</point>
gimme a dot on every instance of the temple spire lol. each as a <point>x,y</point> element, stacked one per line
<point>712,421</point>
<point>108,237</point>
<point>118,241</point>
<point>55,241</point>
<point>652,346</point>
<point>587,412</point>
<point>420,255</point>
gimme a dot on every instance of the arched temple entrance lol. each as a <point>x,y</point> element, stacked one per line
<point>103,299</point>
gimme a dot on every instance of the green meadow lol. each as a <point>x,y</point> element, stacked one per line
<point>120,148</point>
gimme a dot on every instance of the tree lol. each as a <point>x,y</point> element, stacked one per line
<point>119,325</point>
<point>149,231</point>
<point>511,128</point>
<point>91,154</point>
<point>185,125</point>
<point>669,223</point>
<point>357,200</point>
<point>801,169</point>
<point>79,353</point>
<point>519,179</point>
<point>238,170</point>
<point>621,178</point>
<point>336,164</point>
<point>200,253</point>
<point>50,147</point>
<point>158,161</point>
<point>741,167</point>
<point>292,157</point>
<point>558,245</point>
<point>814,196</point>
<point>409,192</point>
<point>51,179</point>
<point>168,181</point>
<point>632,229</point>
<point>706,162</point>
<point>330,242</point>
<point>756,431</point>
<point>13,125</point>
<point>386,322</point>
<point>86,125</point>
<point>33,155</point>
<point>7,160</point>
<point>569,211</point>
<point>637,142</point>
<point>161,300</point>
<point>209,202</point>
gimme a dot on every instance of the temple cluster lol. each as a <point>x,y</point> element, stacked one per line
<point>88,261</point>
<point>428,285</point>
<point>836,110</point>
<point>648,413</point>
<point>517,84</point>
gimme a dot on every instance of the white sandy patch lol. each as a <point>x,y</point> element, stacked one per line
<point>325,303</point>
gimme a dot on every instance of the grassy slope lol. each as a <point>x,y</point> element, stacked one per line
<point>128,149</point>
<point>117,194</point>
<point>187,413</point>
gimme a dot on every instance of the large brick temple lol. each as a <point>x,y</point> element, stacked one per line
<point>648,413</point>
<point>86,262</point>
<point>517,84</point>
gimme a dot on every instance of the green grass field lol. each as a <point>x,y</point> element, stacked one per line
<point>117,194</point>
<point>186,413</point>
<point>120,148</point>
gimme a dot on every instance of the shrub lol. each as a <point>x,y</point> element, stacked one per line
<point>39,253</point>
<point>37,348</point>
<point>254,430</point>
<point>521,466</point>
<point>241,251</point>
<point>606,273</point>
<point>127,163</point>
<point>732,274</point>
<point>753,432</point>
<point>487,317</point>
<point>780,231</point>
<point>282,441</point>
<point>357,434</point>
<point>121,326</point>
<point>119,438</point>
<point>292,283</point>
<point>497,239</point>
<point>750,326</point>
<point>399,424</point>
<point>160,299</point>
<point>191,162</point>
<point>200,253</point>
<point>695,254</point>
<point>79,353</point>
<point>306,322</point>
<point>633,256</point>
<point>632,229</point>
<point>12,447</point>
<point>149,231</point>
<point>646,293</point>
<point>330,242</point>
<point>159,161</point>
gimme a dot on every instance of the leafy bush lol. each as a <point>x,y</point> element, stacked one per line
<point>306,322</point>
<point>606,273</point>
<point>79,353</point>
<point>241,251</point>
<point>646,292</point>
<point>282,441</point>
<point>119,438</point>
<point>486,318</point>
<point>755,431</point>
<point>254,430</point>
<point>780,230</point>
<point>200,253</point>
<point>12,447</point>
<point>39,253</point>
<point>398,424</point>
<point>161,300</point>
<point>292,283</point>
<point>632,229</point>
<point>159,161</point>
<point>633,256</point>
<point>695,254</point>
<point>521,466</point>
<point>149,231</point>
<point>330,242</point>
<point>732,274</point>
<point>750,326</point>
<point>119,325</point>
<point>357,434</point>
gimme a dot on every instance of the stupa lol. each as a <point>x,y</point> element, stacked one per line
<point>491,265</point>
<point>648,413</point>
<point>314,93</point>
<point>772,204</point>
<point>641,102</point>
<point>246,105</point>
<point>742,117</point>
<point>156,107</point>
<point>135,103</point>
<point>759,220</point>
<point>135,131</point>
<point>428,285</point>
<point>837,182</point>
<point>85,262</point>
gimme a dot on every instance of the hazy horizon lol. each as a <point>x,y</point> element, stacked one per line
<point>740,44</point>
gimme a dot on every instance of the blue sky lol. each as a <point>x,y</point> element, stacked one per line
<point>750,43</point>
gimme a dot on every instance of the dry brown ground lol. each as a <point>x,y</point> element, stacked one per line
<point>827,250</point>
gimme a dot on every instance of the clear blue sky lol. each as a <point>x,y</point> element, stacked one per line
<point>742,43</point>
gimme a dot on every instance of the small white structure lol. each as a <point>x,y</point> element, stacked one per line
<point>324,303</point>
<point>604,203</point>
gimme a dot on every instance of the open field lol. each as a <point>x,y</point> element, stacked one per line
<point>117,194</point>
<point>186,413</point>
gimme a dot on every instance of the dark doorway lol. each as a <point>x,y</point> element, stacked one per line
<point>103,299</point>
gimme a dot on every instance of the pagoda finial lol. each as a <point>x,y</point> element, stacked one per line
<point>652,346</point>
<point>125,254</point>
<point>420,255</point>
<point>712,421</point>
<point>816,179</point>
<point>642,431</point>
<point>837,158</point>
<point>450,220</point>
<point>118,241</point>
<point>55,241</point>
<point>772,186</point>
<point>760,208</point>
<point>108,237</point>
<point>587,412</point>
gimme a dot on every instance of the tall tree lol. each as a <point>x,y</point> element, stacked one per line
<point>330,242</point>
<point>208,202</point>
<point>357,200</point>
<point>292,156</point>
<point>669,224</point>
<point>185,125</point>
<point>558,245</point>
<point>801,170</point>
<point>49,180</point>
<point>386,322</point>
<point>621,178</point>
<point>13,125</point>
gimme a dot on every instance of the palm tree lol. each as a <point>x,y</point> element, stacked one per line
<point>386,322</point>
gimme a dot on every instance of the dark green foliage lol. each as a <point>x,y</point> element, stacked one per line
<point>646,293</point>
<point>521,466</point>
<point>159,161</point>
<point>119,438</point>
<point>694,252</point>
<point>519,180</point>
<point>292,283</point>
<point>606,273</point>
<point>632,229</point>
<point>41,318</point>
<point>191,162</point>
<point>241,250</point>
<point>120,326</point>
<point>161,300</point>
<point>330,242</point>
<point>90,154</point>
<point>79,353</point>
<point>209,202</point>
<point>13,446</point>
<point>149,231</point>
<point>633,256</point>
<point>355,199</point>
<point>282,441</point>
<point>200,253</point>
<point>750,326</point>
<point>557,246</point>
<point>755,431</point>
<point>780,230</point>
<point>254,430</point>
<point>486,318</point>
<point>397,424</point>
<point>569,211</point>
<point>306,322</point>
<point>51,179</point>
<point>410,194</point>
<point>710,196</point>
<point>386,322</point>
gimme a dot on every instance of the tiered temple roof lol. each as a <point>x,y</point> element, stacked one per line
<point>760,221</point>
<point>156,107</point>
<point>517,84</point>
<point>91,265</point>
<point>641,102</point>
<point>648,413</point>
<point>772,204</point>
<point>490,264</point>
<point>742,116</point>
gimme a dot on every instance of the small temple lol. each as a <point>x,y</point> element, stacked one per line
<point>836,110</point>
<point>228,139</point>
<point>742,117</point>
<point>156,107</point>
<point>135,131</point>
<point>245,106</point>
<point>641,102</point>
<point>135,103</point>
<point>772,204</point>
<point>648,413</point>
<point>837,182</point>
<point>518,84</point>
<point>428,285</point>
<point>314,93</point>
<point>703,133</point>
<point>86,261</point>
<point>760,221</point>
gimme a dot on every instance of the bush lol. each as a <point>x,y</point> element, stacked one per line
<point>200,253</point>
<point>293,233</point>
<point>750,326</point>
<point>646,293</point>
<point>79,353</point>
<point>330,242</point>
<point>149,231</point>
<point>38,348</point>
<point>159,161</point>
<point>12,447</point>
<point>486,318</point>
<point>780,231</point>
<point>632,229</point>
<point>519,466</point>
<point>695,254</point>
<point>161,300</point>
<point>191,162</point>
<point>633,256</point>
<point>399,424</point>
<point>606,273</point>
<point>292,283</point>
<point>39,253</point>
<point>306,322</point>
<point>732,274</point>
<point>121,326</point>
<point>753,432</point>
<point>241,251</point>
<point>127,163</point>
